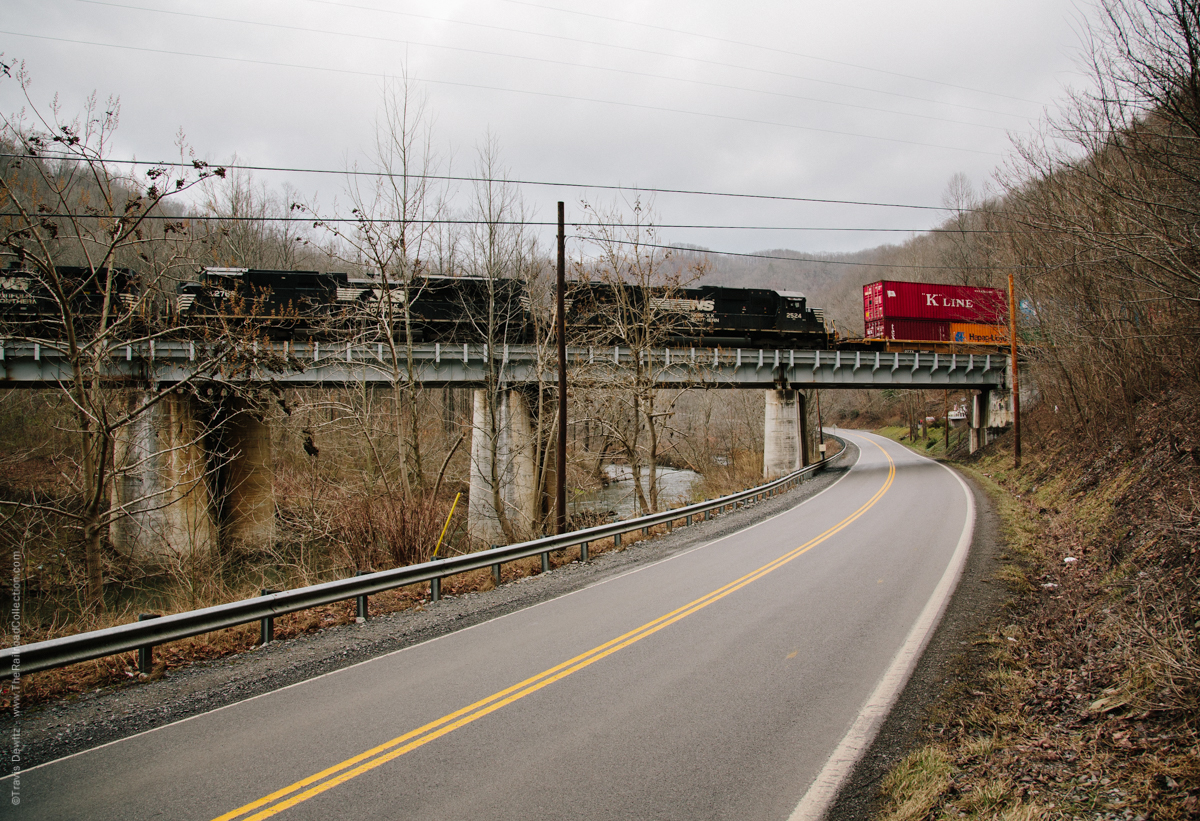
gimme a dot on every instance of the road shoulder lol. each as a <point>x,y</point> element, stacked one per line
<point>977,602</point>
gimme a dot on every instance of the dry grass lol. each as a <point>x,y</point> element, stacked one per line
<point>1084,703</point>
<point>915,785</point>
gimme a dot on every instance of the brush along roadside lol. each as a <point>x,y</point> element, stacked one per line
<point>1083,701</point>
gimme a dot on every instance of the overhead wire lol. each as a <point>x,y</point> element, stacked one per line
<point>689,249</point>
<point>818,260</point>
<point>508,223</point>
<point>354,172</point>
<point>570,97</point>
<point>630,72</point>
<point>653,53</point>
<point>761,47</point>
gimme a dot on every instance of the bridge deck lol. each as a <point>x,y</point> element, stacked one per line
<point>313,364</point>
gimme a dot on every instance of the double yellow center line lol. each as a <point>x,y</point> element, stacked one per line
<point>340,773</point>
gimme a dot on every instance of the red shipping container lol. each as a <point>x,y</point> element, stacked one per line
<point>909,330</point>
<point>889,299</point>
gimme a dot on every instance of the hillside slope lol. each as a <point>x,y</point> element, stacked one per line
<point>1083,703</point>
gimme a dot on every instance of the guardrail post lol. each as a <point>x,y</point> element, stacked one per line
<point>583,551</point>
<point>496,569</point>
<point>545,561</point>
<point>435,589</point>
<point>360,609</point>
<point>617,540</point>
<point>146,654</point>
<point>267,625</point>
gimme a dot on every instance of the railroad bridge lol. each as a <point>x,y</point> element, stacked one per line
<point>173,510</point>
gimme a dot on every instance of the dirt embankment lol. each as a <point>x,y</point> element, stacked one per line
<point>1079,697</point>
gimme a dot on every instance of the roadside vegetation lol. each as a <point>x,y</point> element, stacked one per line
<point>1082,699</point>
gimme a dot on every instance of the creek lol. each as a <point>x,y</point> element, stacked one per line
<point>674,485</point>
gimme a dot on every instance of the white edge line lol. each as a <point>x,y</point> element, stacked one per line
<point>646,566</point>
<point>824,790</point>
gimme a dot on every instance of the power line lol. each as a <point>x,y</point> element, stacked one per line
<point>686,249</point>
<point>629,72</point>
<point>788,52</point>
<point>573,98</point>
<point>455,178</point>
<point>653,53</point>
<point>508,223</point>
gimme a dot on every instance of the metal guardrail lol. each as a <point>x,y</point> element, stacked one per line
<point>144,635</point>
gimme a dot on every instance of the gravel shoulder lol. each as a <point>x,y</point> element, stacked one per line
<point>56,730</point>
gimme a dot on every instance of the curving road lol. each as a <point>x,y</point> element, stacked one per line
<point>735,680</point>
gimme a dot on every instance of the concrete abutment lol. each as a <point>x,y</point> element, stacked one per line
<point>162,483</point>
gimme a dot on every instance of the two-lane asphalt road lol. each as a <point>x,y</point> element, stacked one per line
<point>719,683</point>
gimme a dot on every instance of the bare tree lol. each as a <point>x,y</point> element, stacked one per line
<point>507,303</point>
<point>97,249</point>
<point>253,229</point>
<point>638,300</point>
<point>391,236</point>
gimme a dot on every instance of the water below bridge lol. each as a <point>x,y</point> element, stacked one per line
<point>675,485</point>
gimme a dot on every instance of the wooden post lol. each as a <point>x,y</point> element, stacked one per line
<point>1016,387</point>
<point>561,461</point>
<point>946,422</point>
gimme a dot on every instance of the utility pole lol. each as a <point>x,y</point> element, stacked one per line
<point>820,427</point>
<point>1016,387</point>
<point>561,482</point>
<point>946,423</point>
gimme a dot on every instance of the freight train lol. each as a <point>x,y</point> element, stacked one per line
<point>315,305</point>
<point>302,304</point>
<point>28,308</point>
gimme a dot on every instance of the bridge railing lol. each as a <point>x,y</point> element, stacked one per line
<point>313,362</point>
<point>144,635</point>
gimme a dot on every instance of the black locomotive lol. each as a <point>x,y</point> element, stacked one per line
<point>314,305</point>
<point>705,315</point>
<point>308,304</point>
<point>31,306</point>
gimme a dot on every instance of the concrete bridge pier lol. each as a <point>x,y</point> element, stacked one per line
<point>503,467</point>
<point>247,478</point>
<point>978,432</point>
<point>190,479</point>
<point>162,481</point>
<point>787,440</point>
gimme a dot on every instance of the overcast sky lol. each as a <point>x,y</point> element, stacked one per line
<point>871,100</point>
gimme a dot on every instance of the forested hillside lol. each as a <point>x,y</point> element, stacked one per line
<point>1082,698</point>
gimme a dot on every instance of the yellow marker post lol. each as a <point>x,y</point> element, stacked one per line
<point>447,525</point>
